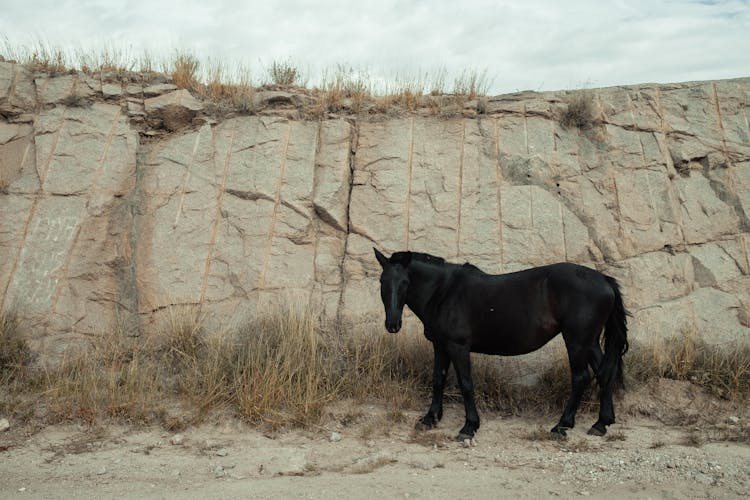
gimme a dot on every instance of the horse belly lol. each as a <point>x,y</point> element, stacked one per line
<point>509,341</point>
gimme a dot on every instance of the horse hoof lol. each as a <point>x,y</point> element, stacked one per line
<point>559,431</point>
<point>595,431</point>
<point>462,438</point>
<point>423,426</point>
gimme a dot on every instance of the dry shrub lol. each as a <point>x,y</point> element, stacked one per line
<point>374,365</point>
<point>498,387</point>
<point>724,370</point>
<point>281,372</point>
<point>115,377</point>
<point>345,88</point>
<point>15,355</point>
<point>471,83</point>
<point>580,112</point>
<point>184,70</point>
<point>284,74</point>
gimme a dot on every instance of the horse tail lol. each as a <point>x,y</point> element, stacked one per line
<point>615,341</point>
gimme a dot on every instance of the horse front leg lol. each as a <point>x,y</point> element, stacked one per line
<point>439,373</point>
<point>461,358</point>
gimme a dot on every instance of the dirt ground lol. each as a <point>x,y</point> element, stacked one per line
<point>363,451</point>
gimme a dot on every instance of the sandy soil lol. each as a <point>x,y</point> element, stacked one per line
<point>363,451</point>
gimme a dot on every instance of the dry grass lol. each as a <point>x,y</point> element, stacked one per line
<point>184,71</point>
<point>723,370</point>
<point>471,83</point>
<point>284,74</point>
<point>615,436</point>
<point>116,377</point>
<point>580,112</point>
<point>284,367</point>
<point>227,89</point>
<point>15,354</point>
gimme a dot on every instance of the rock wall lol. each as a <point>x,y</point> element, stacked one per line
<point>122,197</point>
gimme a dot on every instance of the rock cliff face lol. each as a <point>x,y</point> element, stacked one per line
<point>105,217</point>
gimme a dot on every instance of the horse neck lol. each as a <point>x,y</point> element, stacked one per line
<point>424,280</point>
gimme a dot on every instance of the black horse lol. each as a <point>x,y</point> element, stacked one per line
<point>466,310</point>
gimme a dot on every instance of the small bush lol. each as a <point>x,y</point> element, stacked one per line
<point>15,355</point>
<point>184,70</point>
<point>471,83</point>
<point>580,112</point>
<point>116,378</point>
<point>283,73</point>
<point>723,370</point>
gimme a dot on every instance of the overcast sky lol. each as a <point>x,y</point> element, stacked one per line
<point>525,44</point>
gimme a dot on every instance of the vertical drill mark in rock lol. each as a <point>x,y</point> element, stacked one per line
<point>275,213</point>
<point>562,228</point>
<point>721,125</point>
<point>409,161</point>
<point>744,242</point>
<point>660,109</point>
<point>217,213</point>
<point>26,155</point>
<point>499,181</point>
<point>531,204</point>
<point>460,187</point>
<point>186,179</point>
<point>34,206</point>
<point>353,146</point>
<point>525,130</point>
<point>613,175</point>
<point>93,189</point>
<point>316,220</point>
<point>631,111</point>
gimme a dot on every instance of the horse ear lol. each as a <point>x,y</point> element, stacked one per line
<point>381,258</point>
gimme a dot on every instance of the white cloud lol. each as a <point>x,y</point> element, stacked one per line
<point>535,44</point>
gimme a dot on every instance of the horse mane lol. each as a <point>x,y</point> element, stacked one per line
<point>418,256</point>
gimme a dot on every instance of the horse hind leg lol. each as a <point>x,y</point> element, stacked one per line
<point>580,379</point>
<point>606,405</point>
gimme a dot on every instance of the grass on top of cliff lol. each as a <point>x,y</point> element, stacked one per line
<point>233,86</point>
<point>283,368</point>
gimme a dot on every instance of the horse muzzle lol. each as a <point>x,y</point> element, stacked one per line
<point>393,327</point>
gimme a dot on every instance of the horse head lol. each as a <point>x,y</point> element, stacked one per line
<point>394,283</point>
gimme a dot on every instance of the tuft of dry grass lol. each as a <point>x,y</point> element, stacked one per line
<point>580,112</point>
<point>341,90</point>
<point>115,377</point>
<point>15,355</point>
<point>471,83</point>
<point>615,436</point>
<point>281,370</point>
<point>284,74</point>
<point>723,370</point>
<point>184,71</point>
